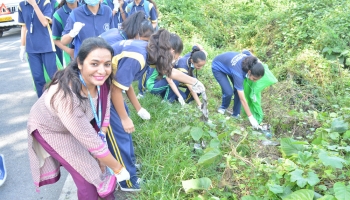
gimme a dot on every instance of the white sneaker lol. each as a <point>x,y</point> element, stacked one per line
<point>123,175</point>
<point>221,111</point>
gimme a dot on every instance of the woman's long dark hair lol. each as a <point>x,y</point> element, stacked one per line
<point>137,24</point>
<point>196,55</point>
<point>252,63</point>
<point>160,48</point>
<point>68,79</point>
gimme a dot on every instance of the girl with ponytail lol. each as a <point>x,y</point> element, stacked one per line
<point>131,59</point>
<point>236,66</point>
<point>195,60</point>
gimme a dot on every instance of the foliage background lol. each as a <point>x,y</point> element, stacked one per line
<point>306,44</point>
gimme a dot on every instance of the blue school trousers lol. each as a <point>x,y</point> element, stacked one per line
<point>228,91</point>
<point>162,88</point>
<point>121,146</point>
<point>36,63</point>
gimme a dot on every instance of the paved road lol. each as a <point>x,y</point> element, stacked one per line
<point>16,98</point>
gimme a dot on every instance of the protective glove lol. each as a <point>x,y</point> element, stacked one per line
<point>253,122</point>
<point>181,101</point>
<point>22,53</point>
<point>144,114</point>
<point>198,87</point>
<point>122,175</point>
<point>116,5</point>
<point>199,107</point>
<point>76,28</point>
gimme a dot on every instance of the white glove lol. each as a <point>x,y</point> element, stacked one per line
<point>22,53</point>
<point>122,175</point>
<point>76,28</point>
<point>144,114</point>
<point>116,5</point>
<point>253,122</point>
<point>198,87</point>
<point>181,101</point>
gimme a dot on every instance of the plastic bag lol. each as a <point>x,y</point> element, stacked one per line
<point>252,92</point>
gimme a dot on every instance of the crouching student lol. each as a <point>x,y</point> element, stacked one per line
<point>66,125</point>
<point>235,67</point>
<point>129,63</point>
<point>195,60</point>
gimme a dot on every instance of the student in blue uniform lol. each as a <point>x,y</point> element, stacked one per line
<point>118,10</point>
<point>129,63</point>
<point>135,26</point>
<point>149,7</point>
<point>88,20</point>
<point>195,60</point>
<point>236,66</point>
<point>36,40</point>
<point>58,23</point>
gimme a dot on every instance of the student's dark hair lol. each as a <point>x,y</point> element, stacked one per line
<point>196,55</point>
<point>154,4</point>
<point>251,63</point>
<point>159,50</point>
<point>137,24</point>
<point>68,79</point>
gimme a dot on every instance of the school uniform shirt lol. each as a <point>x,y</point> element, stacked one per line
<point>152,15</point>
<point>54,5</point>
<point>230,63</point>
<point>59,21</point>
<point>129,62</point>
<point>38,38</point>
<point>182,64</point>
<point>95,25</point>
<point>117,18</point>
<point>114,35</point>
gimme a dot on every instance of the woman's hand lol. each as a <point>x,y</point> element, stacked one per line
<point>128,125</point>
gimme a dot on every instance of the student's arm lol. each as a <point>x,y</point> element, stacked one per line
<point>118,103</point>
<point>244,102</point>
<point>23,35</point>
<point>194,95</point>
<point>133,99</point>
<point>122,6</point>
<point>173,87</point>
<point>181,77</point>
<point>43,19</point>
<point>65,48</point>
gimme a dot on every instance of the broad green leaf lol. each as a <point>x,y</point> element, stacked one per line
<point>334,136</point>
<point>215,143</point>
<point>276,189</point>
<point>346,135</point>
<point>184,129</point>
<point>302,194</point>
<point>297,176</point>
<point>213,134</point>
<point>209,157</point>
<point>333,161</point>
<point>347,148</point>
<point>196,133</point>
<point>196,184</point>
<point>341,191</point>
<point>290,147</point>
<point>305,157</point>
<point>289,165</point>
<point>249,197</point>
<point>339,126</point>
<point>327,197</point>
